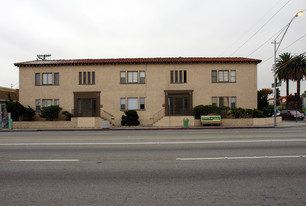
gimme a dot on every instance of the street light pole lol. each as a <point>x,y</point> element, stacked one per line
<point>275,53</point>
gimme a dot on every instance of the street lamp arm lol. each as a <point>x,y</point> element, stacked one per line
<point>286,29</point>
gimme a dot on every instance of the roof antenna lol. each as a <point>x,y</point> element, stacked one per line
<point>43,56</point>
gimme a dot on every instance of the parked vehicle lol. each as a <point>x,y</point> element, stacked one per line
<point>291,114</point>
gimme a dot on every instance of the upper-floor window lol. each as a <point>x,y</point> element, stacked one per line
<point>233,76</point>
<point>56,78</point>
<point>87,77</point>
<point>131,77</point>
<point>47,78</point>
<point>142,77</point>
<point>37,78</point>
<point>122,77</point>
<point>178,76</point>
<point>223,76</point>
<point>214,76</point>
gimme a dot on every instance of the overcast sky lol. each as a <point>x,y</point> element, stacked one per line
<point>79,29</point>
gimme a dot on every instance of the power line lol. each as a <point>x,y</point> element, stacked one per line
<point>254,25</point>
<point>260,28</point>
<point>286,48</point>
<point>272,37</point>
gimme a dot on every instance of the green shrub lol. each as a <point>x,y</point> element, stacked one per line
<point>68,115</point>
<point>204,110</point>
<point>15,108</point>
<point>130,118</point>
<point>18,111</point>
<point>28,114</point>
<point>256,113</point>
<point>238,112</point>
<point>50,113</point>
<point>268,111</point>
<point>223,111</point>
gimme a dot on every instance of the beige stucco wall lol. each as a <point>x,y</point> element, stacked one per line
<point>245,122</point>
<point>76,122</point>
<point>157,81</point>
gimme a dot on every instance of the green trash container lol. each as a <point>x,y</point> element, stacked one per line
<point>185,121</point>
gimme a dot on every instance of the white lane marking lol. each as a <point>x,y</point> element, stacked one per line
<point>239,158</point>
<point>153,143</point>
<point>46,160</point>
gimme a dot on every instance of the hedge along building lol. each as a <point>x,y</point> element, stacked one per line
<point>156,87</point>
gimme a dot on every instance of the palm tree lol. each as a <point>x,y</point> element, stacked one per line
<point>284,65</point>
<point>298,72</point>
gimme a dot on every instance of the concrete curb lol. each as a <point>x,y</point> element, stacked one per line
<point>289,125</point>
<point>130,129</point>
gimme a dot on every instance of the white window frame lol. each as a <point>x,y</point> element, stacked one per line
<point>233,76</point>
<point>142,101</point>
<point>122,104</point>
<point>122,77</point>
<point>46,102</point>
<point>214,76</point>
<point>132,103</point>
<point>47,78</point>
<point>142,77</point>
<point>215,103</point>
<point>37,79</point>
<point>132,77</point>
<point>223,75</point>
<point>234,101</point>
<point>56,78</point>
<point>37,105</point>
<point>56,102</point>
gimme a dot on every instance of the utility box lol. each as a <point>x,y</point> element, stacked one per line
<point>105,124</point>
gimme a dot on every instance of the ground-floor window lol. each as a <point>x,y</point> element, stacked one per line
<point>224,101</point>
<point>122,104</point>
<point>133,103</point>
<point>37,105</point>
<point>46,102</point>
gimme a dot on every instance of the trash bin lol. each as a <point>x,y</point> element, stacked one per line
<point>185,121</point>
<point>105,124</point>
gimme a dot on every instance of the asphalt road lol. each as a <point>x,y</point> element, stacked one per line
<point>175,167</point>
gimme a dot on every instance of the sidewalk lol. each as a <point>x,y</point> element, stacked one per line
<point>284,124</point>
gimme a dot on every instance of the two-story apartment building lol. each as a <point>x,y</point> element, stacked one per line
<point>155,87</point>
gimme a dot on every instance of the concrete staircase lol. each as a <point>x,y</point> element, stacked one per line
<point>174,121</point>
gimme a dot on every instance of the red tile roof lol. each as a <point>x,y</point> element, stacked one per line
<point>5,91</point>
<point>179,60</point>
